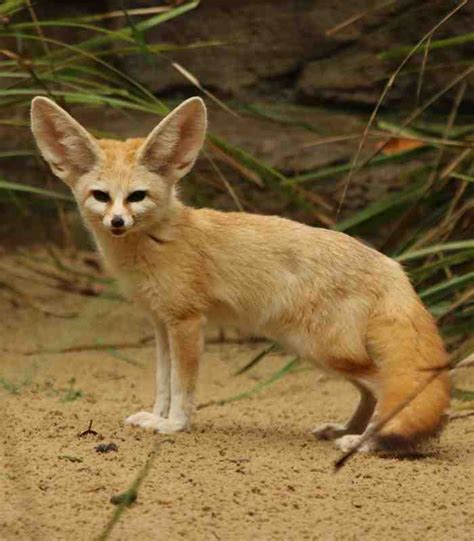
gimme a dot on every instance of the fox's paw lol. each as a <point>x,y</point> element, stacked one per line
<point>144,419</point>
<point>347,443</point>
<point>329,431</point>
<point>168,426</point>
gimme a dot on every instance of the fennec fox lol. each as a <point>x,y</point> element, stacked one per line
<point>320,293</point>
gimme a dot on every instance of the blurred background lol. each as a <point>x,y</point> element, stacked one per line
<point>357,116</point>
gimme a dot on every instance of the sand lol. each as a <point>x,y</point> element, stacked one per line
<point>249,469</point>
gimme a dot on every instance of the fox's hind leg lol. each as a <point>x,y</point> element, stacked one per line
<point>356,424</point>
<point>413,390</point>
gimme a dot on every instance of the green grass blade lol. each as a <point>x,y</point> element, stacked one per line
<point>435,128</point>
<point>16,187</point>
<point>398,52</point>
<point>420,274</point>
<point>268,174</point>
<point>269,113</point>
<point>113,35</point>
<point>110,36</point>
<point>10,387</point>
<point>460,176</point>
<point>446,287</point>
<point>331,171</point>
<point>290,366</point>
<point>10,7</point>
<point>85,98</point>
<point>121,357</point>
<point>141,26</point>
<point>155,103</point>
<point>17,153</point>
<point>436,249</point>
<point>378,208</point>
<point>462,394</point>
<point>131,493</point>
<point>256,359</point>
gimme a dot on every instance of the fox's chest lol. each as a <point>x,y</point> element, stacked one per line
<point>130,281</point>
<point>142,286</point>
<point>137,277</point>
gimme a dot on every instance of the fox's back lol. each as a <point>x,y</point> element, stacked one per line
<point>265,271</point>
<point>276,248</point>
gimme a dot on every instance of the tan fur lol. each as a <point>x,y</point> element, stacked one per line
<point>320,293</point>
<point>409,346</point>
<point>120,153</point>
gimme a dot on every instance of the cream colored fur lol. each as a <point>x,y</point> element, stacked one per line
<point>322,294</point>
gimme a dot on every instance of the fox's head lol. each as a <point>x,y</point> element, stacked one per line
<point>121,186</point>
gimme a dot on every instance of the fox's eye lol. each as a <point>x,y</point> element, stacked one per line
<point>138,195</point>
<point>101,196</point>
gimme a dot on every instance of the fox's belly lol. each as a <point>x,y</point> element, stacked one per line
<point>320,332</point>
<point>258,324</point>
<point>223,316</point>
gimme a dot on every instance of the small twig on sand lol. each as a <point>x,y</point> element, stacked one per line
<point>88,431</point>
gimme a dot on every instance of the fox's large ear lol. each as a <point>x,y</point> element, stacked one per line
<point>173,146</point>
<point>68,148</point>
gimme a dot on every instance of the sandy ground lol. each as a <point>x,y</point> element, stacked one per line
<point>250,469</point>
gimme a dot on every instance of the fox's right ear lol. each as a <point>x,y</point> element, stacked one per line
<point>173,146</point>
<point>68,148</point>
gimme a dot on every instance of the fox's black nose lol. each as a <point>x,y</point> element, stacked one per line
<point>117,221</point>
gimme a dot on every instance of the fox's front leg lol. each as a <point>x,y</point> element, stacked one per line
<point>184,342</point>
<point>185,339</point>
<point>163,372</point>
<point>147,419</point>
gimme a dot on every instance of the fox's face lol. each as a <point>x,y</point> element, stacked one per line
<point>120,186</point>
<point>120,194</point>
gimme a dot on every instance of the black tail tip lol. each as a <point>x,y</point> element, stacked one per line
<point>398,443</point>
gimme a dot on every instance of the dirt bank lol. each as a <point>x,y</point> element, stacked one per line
<point>249,469</point>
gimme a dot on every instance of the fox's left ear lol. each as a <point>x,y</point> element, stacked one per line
<point>69,149</point>
<point>173,146</point>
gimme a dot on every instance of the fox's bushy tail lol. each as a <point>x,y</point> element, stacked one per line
<point>408,349</point>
